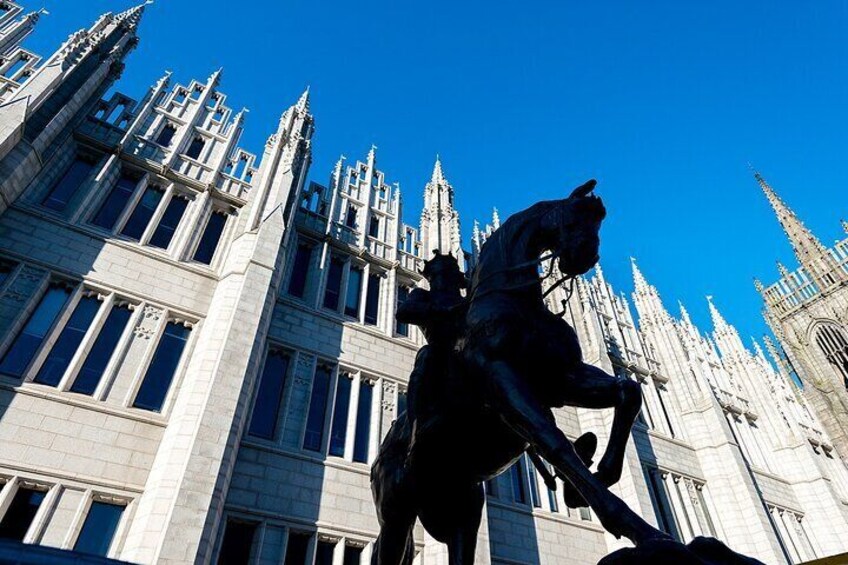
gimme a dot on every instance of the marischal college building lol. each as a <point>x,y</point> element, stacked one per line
<point>199,355</point>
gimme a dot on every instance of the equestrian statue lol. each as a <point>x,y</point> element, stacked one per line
<point>482,389</point>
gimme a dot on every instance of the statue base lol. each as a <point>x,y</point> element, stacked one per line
<point>700,551</point>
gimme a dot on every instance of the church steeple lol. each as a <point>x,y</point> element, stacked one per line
<point>811,253</point>
<point>439,220</point>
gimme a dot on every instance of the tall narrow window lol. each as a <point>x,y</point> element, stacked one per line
<point>324,552</point>
<point>341,407</point>
<point>352,555</point>
<point>115,203</point>
<point>102,350</point>
<point>18,517</point>
<point>354,288</point>
<point>195,148</point>
<point>210,238</point>
<point>135,226</point>
<point>266,409</point>
<point>552,498</point>
<point>68,342</point>
<point>401,328</point>
<point>62,192</point>
<point>99,528</point>
<point>662,504</point>
<point>535,499</point>
<point>372,300</point>
<point>403,398</point>
<point>374,226</point>
<point>518,493</point>
<point>166,134</point>
<point>350,218</point>
<point>157,380</point>
<point>169,222</point>
<point>296,548</point>
<point>300,270</point>
<point>363,422</point>
<point>334,284</point>
<point>317,409</point>
<point>6,268</point>
<point>237,543</point>
<point>26,344</point>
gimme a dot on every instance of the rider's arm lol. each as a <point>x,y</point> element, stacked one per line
<point>416,308</point>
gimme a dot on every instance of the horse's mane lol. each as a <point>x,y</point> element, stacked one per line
<point>513,226</point>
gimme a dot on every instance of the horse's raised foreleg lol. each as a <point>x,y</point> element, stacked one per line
<point>523,412</point>
<point>591,387</point>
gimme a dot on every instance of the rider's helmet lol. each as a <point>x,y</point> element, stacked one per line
<point>446,267</point>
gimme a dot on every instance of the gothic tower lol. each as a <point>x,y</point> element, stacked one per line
<point>439,219</point>
<point>808,311</point>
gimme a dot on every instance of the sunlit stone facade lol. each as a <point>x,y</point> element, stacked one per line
<point>199,356</point>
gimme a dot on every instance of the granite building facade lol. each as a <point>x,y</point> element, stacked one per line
<point>199,355</point>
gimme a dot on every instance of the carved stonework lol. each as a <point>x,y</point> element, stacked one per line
<point>148,322</point>
<point>303,370</point>
<point>388,401</point>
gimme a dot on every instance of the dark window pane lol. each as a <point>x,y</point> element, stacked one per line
<point>99,528</point>
<point>69,340</point>
<point>101,352</point>
<point>26,344</point>
<point>6,268</point>
<point>63,191</point>
<point>324,553</point>
<point>151,395</point>
<point>169,222</point>
<point>334,284</point>
<point>350,218</point>
<point>18,517</point>
<point>296,549</point>
<point>145,209</point>
<point>354,288</point>
<point>401,328</point>
<point>352,555</point>
<point>372,300</point>
<point>518,494</point>
<point>401,404</point>
<point>300,270</point>
<point>115,203</point>
<point>317,409</point>
<point>363,422</point>
<point>210,238</point>
<point>534,483</point>
<point>338,429</point>
<point>195,148</point>
<point>374,226</point>
<point>237,543</point>
<point>263,423</point>
<point>166,134</point>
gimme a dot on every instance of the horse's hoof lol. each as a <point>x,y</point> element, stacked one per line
<point>585,446</point>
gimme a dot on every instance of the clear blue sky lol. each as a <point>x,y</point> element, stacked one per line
<point>663,102</point>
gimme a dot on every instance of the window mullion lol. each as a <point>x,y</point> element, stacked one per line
<point>350,437</point>
<point>157,215</point>
<point>87,341</point>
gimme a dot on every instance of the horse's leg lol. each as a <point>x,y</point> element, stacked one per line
<point>530,419</point>
<point>591,387</point>
<point>463,541</point>
<point>393,545</point>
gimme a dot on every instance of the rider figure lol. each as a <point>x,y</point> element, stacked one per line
<point>439,312</point>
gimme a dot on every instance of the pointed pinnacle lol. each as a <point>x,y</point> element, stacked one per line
<point>718,320</point>
<point>684,313</point>
<point>438,176</point>
<point>639,282</point>
<point>844,225</point>
<point>758,284</point>
<point>303,102</point>
<point>784,272</point>
<point>496,219</point>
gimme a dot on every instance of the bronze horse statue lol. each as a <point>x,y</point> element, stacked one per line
<point>513,361</point>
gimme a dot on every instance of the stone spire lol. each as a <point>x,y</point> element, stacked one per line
<point>639,282</point>
<point>303,102</point>
<point>844,225</point>
<point>496,219</point>
<point>13,32</point>
<point>719,323</point>
<point>811,254</point>
<point>439,227</point>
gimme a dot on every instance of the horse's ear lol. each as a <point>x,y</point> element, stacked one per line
<point>584,189</point>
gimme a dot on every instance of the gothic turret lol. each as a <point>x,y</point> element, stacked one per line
<point>439,220</point>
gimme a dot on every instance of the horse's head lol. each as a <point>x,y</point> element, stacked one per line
<point>572,227</point>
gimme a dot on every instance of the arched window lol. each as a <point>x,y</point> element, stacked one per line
<point>832,341</point>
